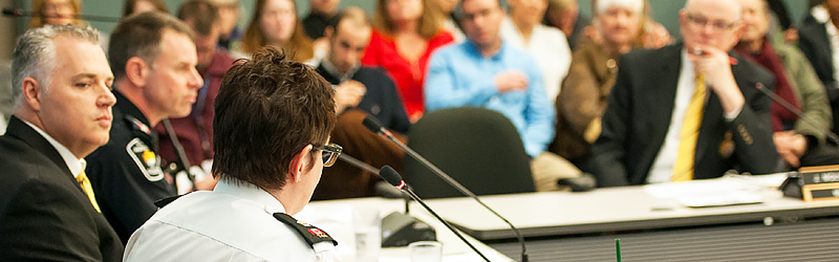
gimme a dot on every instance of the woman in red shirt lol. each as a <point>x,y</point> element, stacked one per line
<point>405,34</point>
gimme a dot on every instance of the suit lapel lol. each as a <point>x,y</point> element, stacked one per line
<point>20,130</point>
<point>663,94</point>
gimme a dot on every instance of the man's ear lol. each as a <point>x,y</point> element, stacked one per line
<point>300,164</point>
<point>137,70</point>
<point>31,92</point>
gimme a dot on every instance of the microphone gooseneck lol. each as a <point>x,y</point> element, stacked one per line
<point>376,127</point>
<point>391,176</point>
<point>830,135</point>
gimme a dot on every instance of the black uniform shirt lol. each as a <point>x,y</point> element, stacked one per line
<point>127,174</point>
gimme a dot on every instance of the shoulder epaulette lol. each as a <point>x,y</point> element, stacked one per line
<point>310,233</point>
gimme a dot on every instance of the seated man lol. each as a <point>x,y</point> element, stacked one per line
<point>195,131</point>
<point>359,90</point>
<point>486,72</point>
<point>687,111</point>
<point>153,58</point>
<point>262,182</point>
<point>63,100</point>
<point>800,142</point>
<point>817,39</point>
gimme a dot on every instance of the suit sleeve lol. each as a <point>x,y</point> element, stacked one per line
<point>752,132</point>
<point>608,152</point>
<point>48,223</point>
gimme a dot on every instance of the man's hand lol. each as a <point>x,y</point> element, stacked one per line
<point>790,146</point>
<point>348,94</point>
<point>511,80</point>
<point>716,65</point>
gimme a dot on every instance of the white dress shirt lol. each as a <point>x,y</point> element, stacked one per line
<point>74,164</point>
<point>550,49</point>
<point>662,169</point>
<point>234,222</point>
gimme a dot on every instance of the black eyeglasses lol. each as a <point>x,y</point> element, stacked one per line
<point>717,25</point>
<point>330,153</point>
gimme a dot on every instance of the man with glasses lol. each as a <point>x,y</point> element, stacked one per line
<point>272,124</point>
<point>687,111</point>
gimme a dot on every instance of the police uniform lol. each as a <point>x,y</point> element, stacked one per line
<point>237,221</point>
<point>127,173</point>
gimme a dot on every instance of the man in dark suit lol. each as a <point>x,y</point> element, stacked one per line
<point>815,34</point>
<point>48,210</point>
<point>665,123</point>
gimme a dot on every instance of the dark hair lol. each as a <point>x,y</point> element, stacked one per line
<point>267,110</point>
<point>139,35</point>
<point>128,8</point>
<point>203,14</point>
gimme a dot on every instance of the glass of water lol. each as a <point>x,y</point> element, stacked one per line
<point>368,234</point>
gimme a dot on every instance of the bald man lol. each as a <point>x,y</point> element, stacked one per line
<point>687,111</point>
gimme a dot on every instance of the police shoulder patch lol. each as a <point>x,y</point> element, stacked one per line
<point>147,161</point>
<point>310,233</point>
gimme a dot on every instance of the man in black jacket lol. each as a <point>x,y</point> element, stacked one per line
<point>48,210</point>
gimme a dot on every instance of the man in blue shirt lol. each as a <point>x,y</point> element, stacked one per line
<point>484,72</point>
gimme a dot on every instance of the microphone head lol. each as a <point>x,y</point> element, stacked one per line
<point>11,11</point>
<point>391,176</point>
<point>373,124</point>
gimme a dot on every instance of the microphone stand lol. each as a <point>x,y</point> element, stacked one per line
<point>830,135</point>
<point>393,177</point>
<point>370,122</point>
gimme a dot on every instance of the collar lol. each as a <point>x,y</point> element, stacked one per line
<point>471,47</point>
<point>234,187</point>
<point>334,72</point>
<point>132,113</point>
<point>74,164</point>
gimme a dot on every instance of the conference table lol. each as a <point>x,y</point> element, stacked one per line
<point>735,218</point>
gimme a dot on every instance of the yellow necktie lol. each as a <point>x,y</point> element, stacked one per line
<point>85,183</point>
<point>683,168</point>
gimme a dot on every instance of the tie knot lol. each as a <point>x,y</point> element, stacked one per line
<point>81,177</point>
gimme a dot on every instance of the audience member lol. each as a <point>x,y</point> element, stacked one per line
<point>486,72</point>
<point>230,36</point>
<point>565,16</point>
<point>320,14</point>
<point>522,29</point>
<point>591,76</point>
<point>275,23</point>
<point>360,91</point>
<point>449,21</point>
<point>195,132</point>
<point>687,111</point>
<point>818,35</point>
<point>799,142</point>
<point>138,6</point>
<point>55,12</point>
<point>405,33</point>
<point>263,182</point>
<point>153,57</point>
<point>62,113</point>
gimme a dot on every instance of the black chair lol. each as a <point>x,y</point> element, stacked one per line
<point>479,148</point>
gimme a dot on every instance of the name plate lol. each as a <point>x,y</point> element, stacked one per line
<point>813,183</point>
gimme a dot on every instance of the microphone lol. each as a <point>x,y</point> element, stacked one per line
<point>391,176</point>
<point>17,12</point>
<point>375,126</point>
<point>830,135</point>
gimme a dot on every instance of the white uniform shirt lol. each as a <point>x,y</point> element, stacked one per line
<point>550,49</point>
<point>231,223</point>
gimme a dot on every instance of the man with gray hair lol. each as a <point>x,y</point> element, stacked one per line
<point>687,111</point>
<point>62,91</point>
